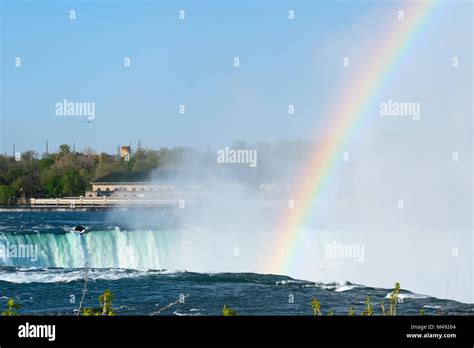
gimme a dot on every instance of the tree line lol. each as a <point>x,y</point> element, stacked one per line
<point>66,173</point>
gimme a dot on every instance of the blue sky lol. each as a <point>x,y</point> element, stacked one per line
<point>190,62</point>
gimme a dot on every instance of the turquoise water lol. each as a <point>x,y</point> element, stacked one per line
<point>149,263</point>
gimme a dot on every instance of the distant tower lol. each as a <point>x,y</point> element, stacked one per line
<point>46,148</point>
<point>139,144</point>
<point>13,150</point>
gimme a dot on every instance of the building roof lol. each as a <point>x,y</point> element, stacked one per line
<point>193,176</point>
<point>138,177</point>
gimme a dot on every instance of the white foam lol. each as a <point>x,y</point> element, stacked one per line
<point>66,276</point>
<point>344,288</point>
<point>285,282</point>
<point>180,314</point>
<point>410,296</point>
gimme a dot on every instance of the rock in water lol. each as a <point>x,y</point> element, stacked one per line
<point>79,229</point>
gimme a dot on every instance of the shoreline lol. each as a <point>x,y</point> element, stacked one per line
<point>85,207</point>
<point>63,208</point>
<point>103,204</point>
<point>93,204</point>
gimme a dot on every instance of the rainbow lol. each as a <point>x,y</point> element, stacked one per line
<point>348,110</point>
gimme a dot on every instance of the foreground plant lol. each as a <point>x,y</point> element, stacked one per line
<point>316,305</point>
<point>369,310</point>
<point>394,300</point>
<point>228,312</point>
<point>105,306</point>
<point>12,308</point>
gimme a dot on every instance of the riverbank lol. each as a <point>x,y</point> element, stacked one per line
<point>94,203</point>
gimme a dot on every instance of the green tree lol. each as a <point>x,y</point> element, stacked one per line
<point>6,194</point>
<point>72,183</point>
<point>51,183</point>
<point>27,185</point>
<point>64,150</point>
<point>45,163</point>
<point>144,160</point>
<point>13,173</point>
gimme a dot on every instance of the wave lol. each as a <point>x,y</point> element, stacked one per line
<point>344,288</point>
<point>291,281</point>
<point>335,286</point>
<point>192,313</point>
<point>66,275</point>
<point>404,296</point>
<point>52,275</point>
